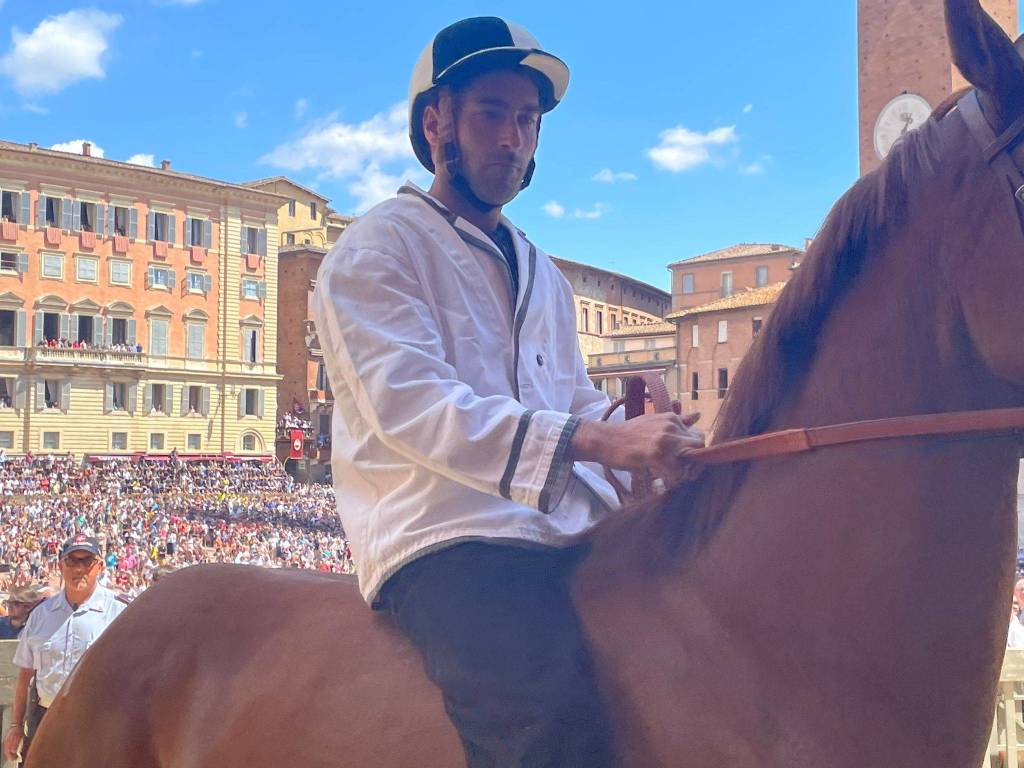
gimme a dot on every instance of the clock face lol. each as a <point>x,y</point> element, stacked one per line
<point>903,114</point>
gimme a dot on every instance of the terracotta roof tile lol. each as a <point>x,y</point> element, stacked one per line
<point>646,329</point>
<point>739,251</point>
<point>752,297</point>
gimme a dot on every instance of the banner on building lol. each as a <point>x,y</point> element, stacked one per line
<point>296,440</point>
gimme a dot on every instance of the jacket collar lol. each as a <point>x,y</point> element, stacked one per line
<point>94,603</point>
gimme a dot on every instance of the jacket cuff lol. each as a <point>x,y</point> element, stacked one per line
<point>561,468</point>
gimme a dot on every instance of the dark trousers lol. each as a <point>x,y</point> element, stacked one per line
<point>34,717</point>
<point>500,637</point>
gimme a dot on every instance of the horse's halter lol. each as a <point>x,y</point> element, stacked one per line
<point>997,150</point>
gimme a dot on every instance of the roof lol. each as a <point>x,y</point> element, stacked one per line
<point>103,162</point>
<point>257,183</point>
<point>740,251</point>
<point>658,291</point>
<point>751,297</point>
<point>647,329</point>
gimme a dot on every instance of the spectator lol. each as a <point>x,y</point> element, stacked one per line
<point>20,603</point>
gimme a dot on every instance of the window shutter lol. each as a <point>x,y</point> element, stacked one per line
<point>65,395</point>
<point>171,279</point>
<point>184,399</point>
<point>186,235</point>
<point>65,322</point>
<point>151,226</point>
<point>259,404</point>
<point>261,242</point>
<point>133,396</point>
<point>241,403</point>
<point>20,392</point>
<point>37,330</point>
<point>74,327</point>
<point>22,263</point>
<point>243,241</point>
<point>108,229</point>
<point>207,234</point>
<point>171,226</point>
<point>133,223</point>
<point>207,283</point>
<point>108,397</point>
<point>40,212</point>
<point>321,378</point>
<point>19,327</point>
<point>97,331</point>
<point>26,210</point>
<point>76,215</point>
<point>131,331</point>
<point>206,401</point>
<point>100,225</point>
<point>66,214</point>
<point>147,399</point>
<point>168,398</point>
<point>261,290</point>
<point>108,332</point>
<point>149,278</point>
<point>40,394</point>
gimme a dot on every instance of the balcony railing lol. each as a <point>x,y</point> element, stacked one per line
<point>109,358</point>
<point>73,356</point>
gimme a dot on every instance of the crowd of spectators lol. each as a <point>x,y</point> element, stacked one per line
<point>151,514</point>
<point>80,344</point>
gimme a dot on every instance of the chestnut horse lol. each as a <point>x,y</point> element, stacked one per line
<point>845,608</point>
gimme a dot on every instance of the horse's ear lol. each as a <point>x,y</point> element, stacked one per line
<point>985,55</point>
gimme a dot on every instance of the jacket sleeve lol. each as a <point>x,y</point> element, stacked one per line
<point>380,338</point>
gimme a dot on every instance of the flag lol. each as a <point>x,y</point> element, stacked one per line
<point>295,436</point>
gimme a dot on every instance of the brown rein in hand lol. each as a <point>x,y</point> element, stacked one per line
<point>789,442</point>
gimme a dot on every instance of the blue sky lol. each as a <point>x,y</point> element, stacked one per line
<point>687,126</point>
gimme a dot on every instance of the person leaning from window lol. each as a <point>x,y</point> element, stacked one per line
<point>57,634</point>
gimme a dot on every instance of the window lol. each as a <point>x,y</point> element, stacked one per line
<point>723,331</point>
<point>86,216</point>
<point>119,396</point>
<point>614,321</point>
<point>194,442</point>
<point>156,441</point>
<point>250,345</point>
<point>761,277</point>
<point>755,325</point>
<point>86,329</point>
<point>119,331</point>
<point>53,265</point>
<point>122,221</point>
<point>6,393</point>
<point>650,344</point>
<point>688,286</point>
<point>585,320</point>
<point>726,284</point>
<point>52,211</point>
<point>195,400</point>
<point>600,322</point>
<point>291,207</point>
<point>248,442</point>
<point>51,441</point>
<point>51,326</point>
<point>618,346</point>
<point>252,402</point>
<point>7,440</point>
<point>251,240</point>
<point>161,226</point>
<point>694,386</point>
<point>325,424</point>
<point>8,206</point>
<point>312,211</point>
<point>158,394</point>
<point>723,382</point>
<point>252,289</point>
<point>196,340</point>
<point>160,277</point>
<point>85,269</point>
<point>694,336</point>
<point>120,272</point>
<point>157,336</point>
<point>195,235</point>
<point>52,393</point>
<point>8,262</point>
<point>119,441</point>
<point>289,238</point>
<point>9,329</point>
<point>199,282</point>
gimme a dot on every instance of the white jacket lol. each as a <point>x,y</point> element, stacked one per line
<point>454,402</point>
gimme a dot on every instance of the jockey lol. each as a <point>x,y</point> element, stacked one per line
<point>467,443</point>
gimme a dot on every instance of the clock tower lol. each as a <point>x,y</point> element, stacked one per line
<point>905,68</point>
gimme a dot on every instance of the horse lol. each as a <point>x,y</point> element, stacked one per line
<point>845,607</point>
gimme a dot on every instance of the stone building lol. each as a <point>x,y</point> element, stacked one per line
<point>630,350</point>
<point>305,218</point>
<point>718,274</point>
<point>138,308</point>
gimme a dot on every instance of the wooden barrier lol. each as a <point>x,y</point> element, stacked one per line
<point>1006,744</point>
<point>8,674</point>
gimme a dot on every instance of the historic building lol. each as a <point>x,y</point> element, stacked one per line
<point>712,340</point>
<point>710,276</point>
<point>305,218</point>
<point>304,392</point>
<point>607,300</point>
<point>905,68</point>
<point>630,350</point>
<point>138,308</point>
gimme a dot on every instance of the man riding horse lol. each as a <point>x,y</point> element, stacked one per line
<point>465,420</point>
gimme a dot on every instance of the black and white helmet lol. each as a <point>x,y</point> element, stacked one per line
<point>477,44</point>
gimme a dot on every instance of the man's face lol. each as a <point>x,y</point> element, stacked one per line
<point>80,570</point>
<point>1018,591</point>
<point>496,125</point>
<point>18,612</point>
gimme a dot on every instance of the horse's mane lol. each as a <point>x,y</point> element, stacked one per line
<point>773,370</point>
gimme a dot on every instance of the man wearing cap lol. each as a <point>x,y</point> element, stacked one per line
<point>467,447</point>
<point>57,633</point>
<point>20,603</point>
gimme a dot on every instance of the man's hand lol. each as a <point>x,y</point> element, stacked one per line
<point>12,741</point>
<point>653,442</point>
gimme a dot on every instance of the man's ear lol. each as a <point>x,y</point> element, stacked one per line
<point>432,125</point>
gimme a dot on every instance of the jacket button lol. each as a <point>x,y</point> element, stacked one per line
<point>540,359</point>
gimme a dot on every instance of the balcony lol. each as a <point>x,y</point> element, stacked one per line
<point>87,357</point>
<point>52,237</point>
<point>159,249</point>
<point>9,230</point>
<point>197,254</point>
<point>639,359</point>
<point>87,240</point>
<point>121,243</point>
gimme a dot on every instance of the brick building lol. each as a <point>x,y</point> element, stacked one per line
<point>138,308</point>
<point>902,49</point>
<point>718,274</point>
<point>712,340</point>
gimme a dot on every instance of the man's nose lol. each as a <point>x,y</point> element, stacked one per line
<point>512,135</point>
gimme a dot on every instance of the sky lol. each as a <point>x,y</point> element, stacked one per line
<point>687,126</point>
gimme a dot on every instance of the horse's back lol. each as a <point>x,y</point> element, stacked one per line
<point>236,666</point>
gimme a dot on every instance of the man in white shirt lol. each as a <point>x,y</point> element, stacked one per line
<point>57,634</point>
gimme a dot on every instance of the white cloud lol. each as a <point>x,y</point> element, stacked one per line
<point>75,147</point>
<point>609,176</point>
<point>594,213</point>
<point>374,185</point>
<point>142,159</point>
<point>681,149</point>
<point>554,209</point>
<point>59,52</point>
<point>301,105</point>
<point>241,119</point>
<point>748,109</point>
<point>752,169</point>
